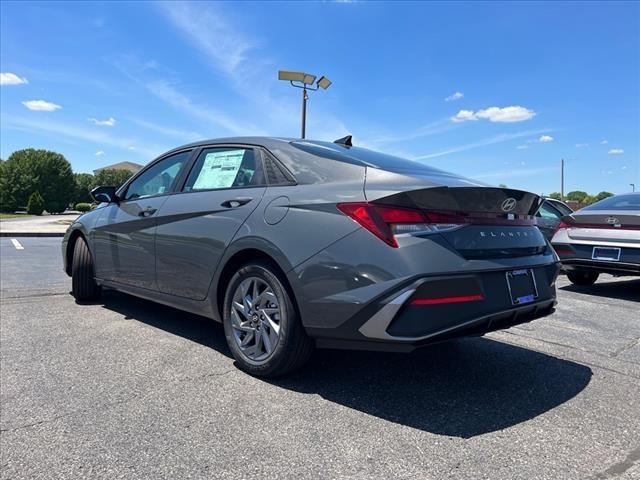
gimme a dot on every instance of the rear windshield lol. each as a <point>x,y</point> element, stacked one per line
<point>364,157</point>
<point>619,202</point>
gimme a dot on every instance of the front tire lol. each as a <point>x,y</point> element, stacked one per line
<point>582,278</point>
<point>83,284</point>
<point>262,325</point>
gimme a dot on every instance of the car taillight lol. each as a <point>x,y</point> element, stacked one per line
<point>563,226</point>
<point>386,221</point>
<point>444,300</point>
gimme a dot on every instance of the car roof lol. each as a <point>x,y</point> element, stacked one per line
<point>330,150</point>
<point>248,140</point>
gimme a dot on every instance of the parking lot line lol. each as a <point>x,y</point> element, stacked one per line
<point>17,244</point>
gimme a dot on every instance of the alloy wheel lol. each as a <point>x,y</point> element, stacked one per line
<point>255,319</point>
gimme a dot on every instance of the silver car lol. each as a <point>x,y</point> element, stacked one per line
<point>601,238</point>
<point>296,244</point>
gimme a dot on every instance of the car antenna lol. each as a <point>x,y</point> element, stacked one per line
<point>346,141</point>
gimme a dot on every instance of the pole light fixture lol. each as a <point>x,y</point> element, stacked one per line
<point>633,187</point>
<point>305,81</point>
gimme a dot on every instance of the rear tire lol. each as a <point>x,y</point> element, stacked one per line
<point>84,286</point>
<point>582,278</point>
<point>261,323</point>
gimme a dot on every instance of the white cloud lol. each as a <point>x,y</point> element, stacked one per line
<point>211,33</point>
<point>496,114</point>
<point>513,173</point>
<point>624,167</point>
<point>12,79</point>
<point>546,139</point>
<point>100,137</point>
<point>506,114</point>
<point>248,66</point>
<point>454,96</point>
<point>616,151</point>
<point>176,99</point>
<point>169,131</point>
<point>604,142</point>
<point>482,143</point>
<point>522,147</point>
<point>109,122</point>
<point>41,105</point>
<point>464,116</point>
<point>432,128</point>
<point>582,145</point>
<point>99,153</point>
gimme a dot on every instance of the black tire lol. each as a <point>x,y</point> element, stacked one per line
<point>582,278</point>
<point>294,347</point>
<point>84,287</point>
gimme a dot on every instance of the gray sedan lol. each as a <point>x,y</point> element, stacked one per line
<point>295,244</point>
<point>601,238</point>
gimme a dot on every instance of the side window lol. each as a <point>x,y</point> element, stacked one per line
<point>158,179</point>
<point>275,174</point>
<point>225,168</point>
<point>547,211</point>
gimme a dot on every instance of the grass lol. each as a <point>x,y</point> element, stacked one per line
<point>14,215</point>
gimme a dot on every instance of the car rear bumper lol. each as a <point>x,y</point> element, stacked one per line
<point>579,257</point>
<point>398,323</point>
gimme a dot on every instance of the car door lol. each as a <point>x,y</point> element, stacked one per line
<point>224,186</point>
<point>548,219</point>
<point>124,242</point>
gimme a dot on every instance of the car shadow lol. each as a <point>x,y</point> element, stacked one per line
<point>462,388</point>
<point>620,290</point>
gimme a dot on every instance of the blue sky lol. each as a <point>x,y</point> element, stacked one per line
<point>494,91</point>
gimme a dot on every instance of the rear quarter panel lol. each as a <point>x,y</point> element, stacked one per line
<point>295,222</point>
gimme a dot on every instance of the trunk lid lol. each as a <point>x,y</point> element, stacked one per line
<point>498,222</point>
<point>604,225</point>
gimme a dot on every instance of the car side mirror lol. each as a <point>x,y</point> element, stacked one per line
<point>104,194</point>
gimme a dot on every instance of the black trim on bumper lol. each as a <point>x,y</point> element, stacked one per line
<point>613,268</point>
<point>474,328</point>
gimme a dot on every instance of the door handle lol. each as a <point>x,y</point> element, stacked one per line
<point>147,212</point>
<point>236,202</point>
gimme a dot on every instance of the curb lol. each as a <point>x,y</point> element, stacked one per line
<point>32,234</point>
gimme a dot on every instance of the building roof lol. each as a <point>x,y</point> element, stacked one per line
<point>131,166</point>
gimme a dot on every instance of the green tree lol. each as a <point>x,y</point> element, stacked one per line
<point>113,177</point>
<point>603,195</point>
<point>84,183</point>
<point>82,207</point>
<point>503,185</point>
<point>17,182</point>
<point>577,195</point>
<point>555,196</point>
<point>35,205</point>
<point>30,170</point>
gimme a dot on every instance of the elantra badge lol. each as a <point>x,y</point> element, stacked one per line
<point>508,205</point>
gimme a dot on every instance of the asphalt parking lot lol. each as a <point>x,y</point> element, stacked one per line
<point>128,389</point>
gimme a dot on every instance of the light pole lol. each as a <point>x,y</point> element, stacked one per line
<point>304,81</point>
<point>633,187</point>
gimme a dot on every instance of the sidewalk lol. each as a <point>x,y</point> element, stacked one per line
<point>43,226</point>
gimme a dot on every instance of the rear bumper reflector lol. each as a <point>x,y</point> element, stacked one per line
<point>442,300</point>
<point>563,250</point>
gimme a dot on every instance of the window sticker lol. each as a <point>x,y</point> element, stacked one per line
<point>219,169</point>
